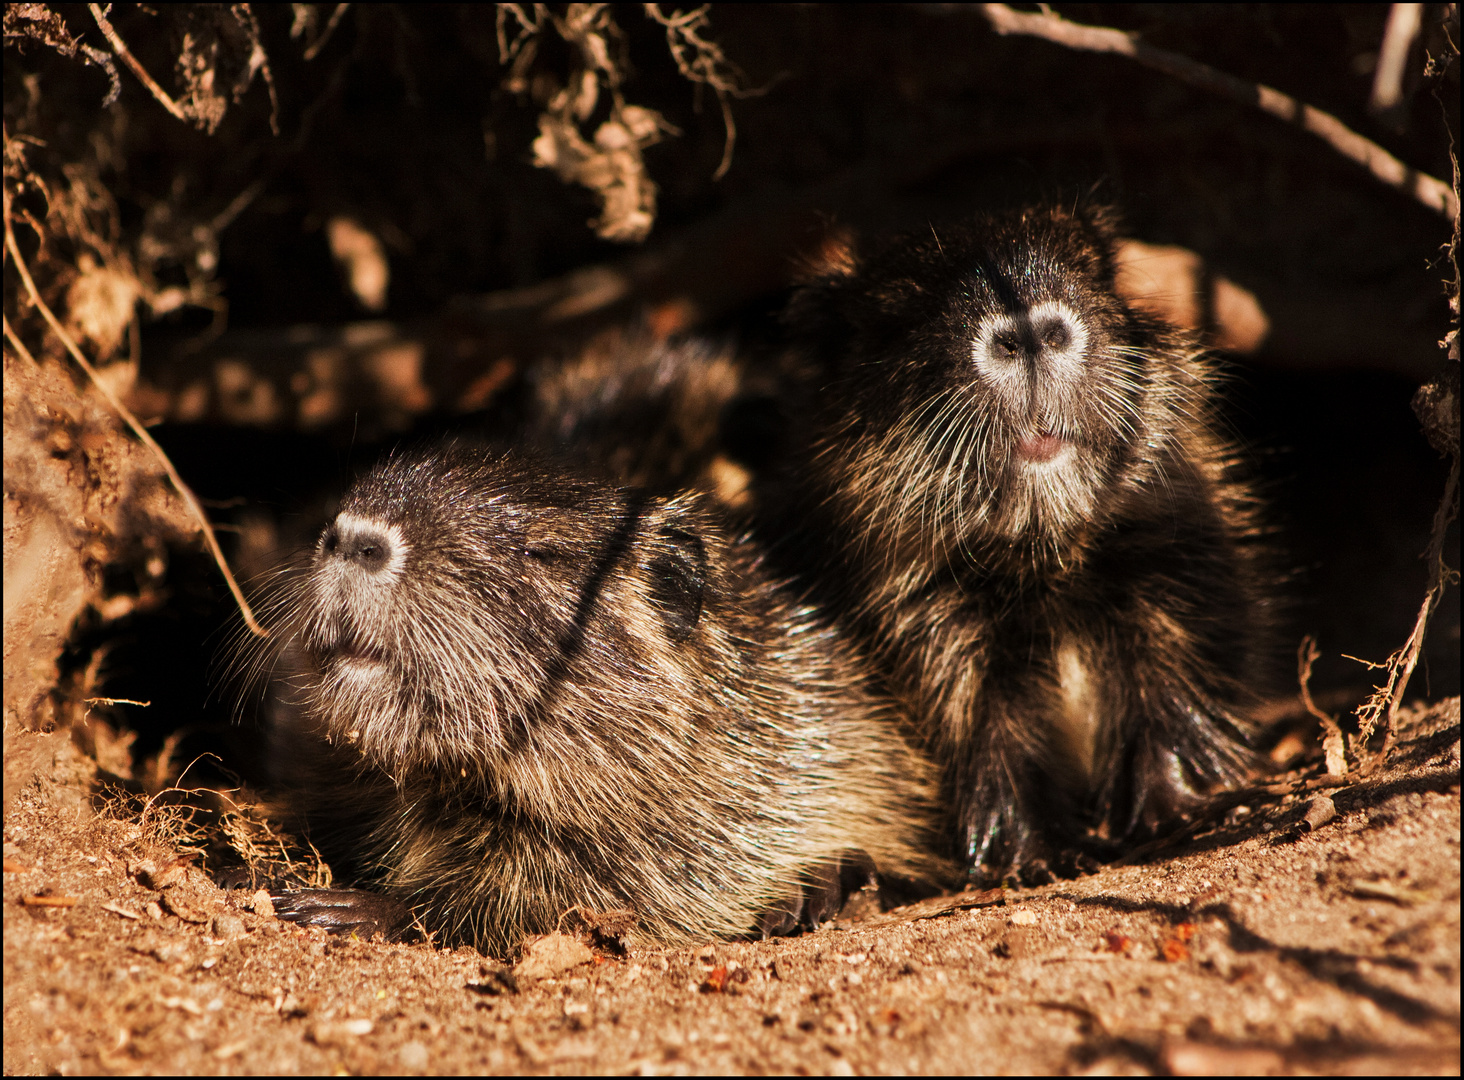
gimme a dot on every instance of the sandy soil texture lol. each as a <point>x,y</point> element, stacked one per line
<point>1313,930</point>
<point>330,237</point>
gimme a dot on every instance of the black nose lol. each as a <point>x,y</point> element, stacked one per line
<point>362,546</point>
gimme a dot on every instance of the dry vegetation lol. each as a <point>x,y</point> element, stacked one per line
<point>273,240</point>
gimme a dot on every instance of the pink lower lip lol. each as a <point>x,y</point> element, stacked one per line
<point>1040,447</point>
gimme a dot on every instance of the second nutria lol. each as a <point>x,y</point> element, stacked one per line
<point>1014,492</point>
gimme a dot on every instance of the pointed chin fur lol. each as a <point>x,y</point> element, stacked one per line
<point>1048,497</point>
<point>401,738</point>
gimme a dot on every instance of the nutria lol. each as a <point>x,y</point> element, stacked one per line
<point>519,693</point>
<point>1014,493</point>
<point>641,411</point>
<point>655,413</point>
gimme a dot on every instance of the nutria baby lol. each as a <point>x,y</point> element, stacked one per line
<point>641,411</point>
<point>1014,493</point>
<point>654,413</point>
<point>521,693</point>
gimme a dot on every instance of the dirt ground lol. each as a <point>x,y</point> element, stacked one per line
<point>1313,930</point>
<point>208,262</point>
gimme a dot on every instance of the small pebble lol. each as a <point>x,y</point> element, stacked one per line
<point>226,925</point>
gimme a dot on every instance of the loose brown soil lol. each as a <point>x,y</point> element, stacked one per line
<point>1278,940</point>
<point>1255,946</point>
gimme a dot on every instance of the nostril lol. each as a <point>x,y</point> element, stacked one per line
<point>1057,335</point>
<point>1006,346</point>
<point>360,543</point>
<point>370,551</point>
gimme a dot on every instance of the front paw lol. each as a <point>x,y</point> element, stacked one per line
<point>1168,786</point>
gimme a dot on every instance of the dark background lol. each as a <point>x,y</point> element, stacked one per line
<point>872,117</point>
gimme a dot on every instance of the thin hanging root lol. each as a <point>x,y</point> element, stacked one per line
<point>1383,705</point>
<point>125,413</point>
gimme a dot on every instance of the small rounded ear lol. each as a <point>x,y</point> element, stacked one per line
<point>677,577</point>
<point>1104,219</point>
<point>1101,225</point>
<point>835,255</point>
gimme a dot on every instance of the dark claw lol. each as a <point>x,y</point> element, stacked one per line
<point>856,872</point>
<point>344,911</point>
<point>781,919</point>
<point>822,897</point>
<point>236,877</point>
<point>1037,872</point>
<point>834,885</point>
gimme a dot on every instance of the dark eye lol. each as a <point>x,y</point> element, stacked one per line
<point>1057,336</point>
<point>541,554</point>
<point>678,581</point>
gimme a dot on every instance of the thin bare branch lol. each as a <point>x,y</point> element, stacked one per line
<point>1404,21</point>
<point>132,62</point>
<point>237,205</point>
<point>1437,406</point>
<point>261,58</point>
<point>189,499</point>
<point>701,60</point>
<point>1429,190</point>
<point>527,28</point>
<point>730,142</point>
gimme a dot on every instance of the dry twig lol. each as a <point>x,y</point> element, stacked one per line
<point>1383,704</point>
<point>1429,190</point>
<point>133,63</point>
<point>313,49</point>
<point>1404,21</point>
<point>1333,744</point>
<point>245,14</point>
<point>1437,407</point>
<point>49,901</point>
<point>189,499</point>
<point>205,108</point>
<point>610,161</point>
